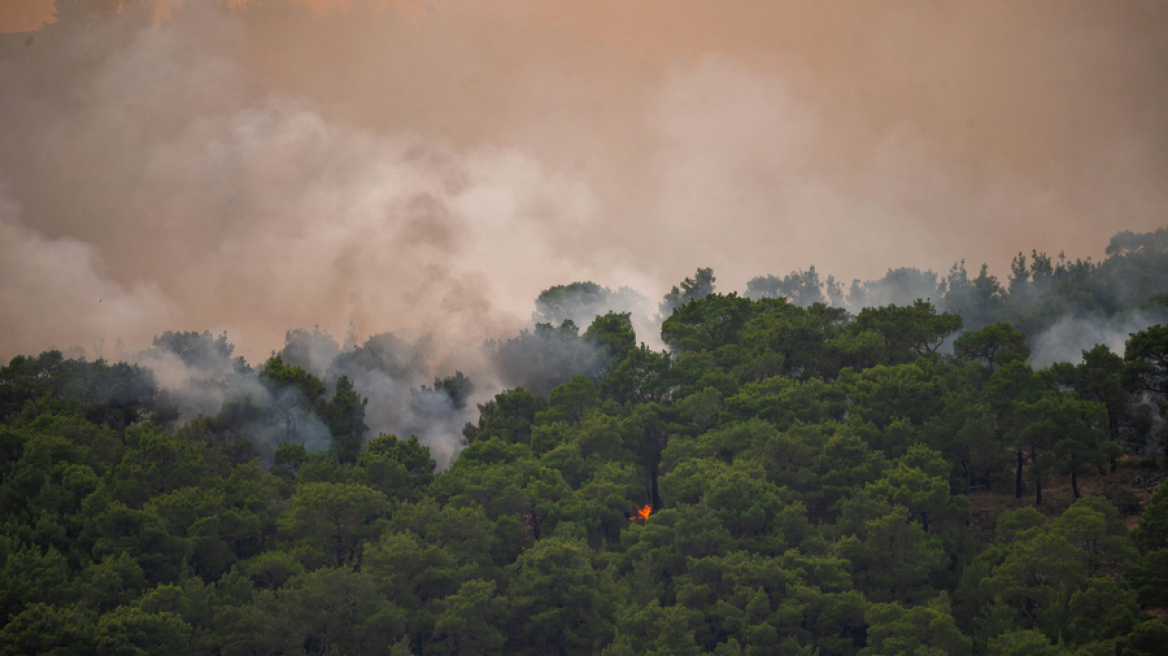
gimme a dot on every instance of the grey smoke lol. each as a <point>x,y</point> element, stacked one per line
<point>1066,340</point>
<point>540,360</point>
<point>280,168</point>
<point>429,177</point>
<point>901,287</point>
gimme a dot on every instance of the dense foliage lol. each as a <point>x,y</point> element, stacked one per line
<point>816,482</point>
<point>1039,291</point>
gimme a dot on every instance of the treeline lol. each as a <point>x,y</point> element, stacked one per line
<point>886,482</point>
<point>1038,291</point>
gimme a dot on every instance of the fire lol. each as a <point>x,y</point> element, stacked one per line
<point>643,513</point>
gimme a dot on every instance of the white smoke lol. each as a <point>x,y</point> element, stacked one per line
<point>1066,340</point>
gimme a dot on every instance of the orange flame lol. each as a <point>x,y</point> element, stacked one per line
<point>643,513</point>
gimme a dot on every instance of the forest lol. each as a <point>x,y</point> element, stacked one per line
<point>800,471</point>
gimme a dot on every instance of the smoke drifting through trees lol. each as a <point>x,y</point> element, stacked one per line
<point>1069,307</point>
<point>219,170</point>
<point>201,381</point>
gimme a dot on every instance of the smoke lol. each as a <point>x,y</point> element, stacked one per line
<point>1066,340</point>
<point>55,295</point>
<point>428,172</point>
<point>898,287</point>
<point>216,205</point>
<point>393,374</point>
<point>582,302</point>
<point>313,351</point>
<point>541,360</point>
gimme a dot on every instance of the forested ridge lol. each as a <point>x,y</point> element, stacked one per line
<point>799,472</point>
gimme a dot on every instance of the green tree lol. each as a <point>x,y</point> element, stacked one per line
<point>1013,392</point>
<point>1149,576</point>
<point>1069,426</point>
<point>468,620</point>
<point>569,402</point>
<point>332,519</point>
<point>285,376</point>
<point>296,391</point>
<point>1024,643</point>
<point>699,286</point>
<point>398,468</point>
<point>130,630</point>
<point>1152,531</point>
<point>1147,639</point>
<point>48,630</point>
<point>458,387</point>
<point>909,332</point>
<point>923,630</point>
<point>645,376</point>
<point>613,332</point>
<point>706,323</point>
<point>29,576</point>
<point>785,340</point>
<point>1146,356</point>
<point>344,414</point>
<point>555,599</point>
<point>508,417</point>
<point>339,611</point>
<point>1100,378</point>
<point>992,345</point>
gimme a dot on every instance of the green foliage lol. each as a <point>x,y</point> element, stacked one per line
<point>697,287</point>
<point>458,387</point>
<point>909,332</point>
<point>508,417</point>
<point>786,340</point>
<point>116,395</point>
<point>1024,643</point>
<point>1146,355</point>
<point>802,288</point>
<point>556,600</point>
<point>1152,532</point>
<point>344,414</point>
<point>331,520</point>
<point>707,323</point>
<point>286,377</point>
<point>924,630</point>
<point>613,332</point>
<point>787,479</point>
<point>992,345</point>
<point>1149,576</point>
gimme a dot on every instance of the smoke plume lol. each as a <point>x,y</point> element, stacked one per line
<point>426,169</point>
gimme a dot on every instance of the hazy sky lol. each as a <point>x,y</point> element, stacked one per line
<point>431,166</point>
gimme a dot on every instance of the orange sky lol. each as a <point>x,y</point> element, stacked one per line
<point>478,151</point>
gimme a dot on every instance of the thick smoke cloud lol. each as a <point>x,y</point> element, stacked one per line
<point>203,379</point>
<point>154,176</point>
<point>434,169</point>
<point>200,379</point>
<point>428,168</point>
<point>55,295</point>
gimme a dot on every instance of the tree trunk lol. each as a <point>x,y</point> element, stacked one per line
<point>1038,487</point>
<point>1114,464</point>
<point>968,477</point>
<point>1018,478</point>
<point>1075,483</point>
